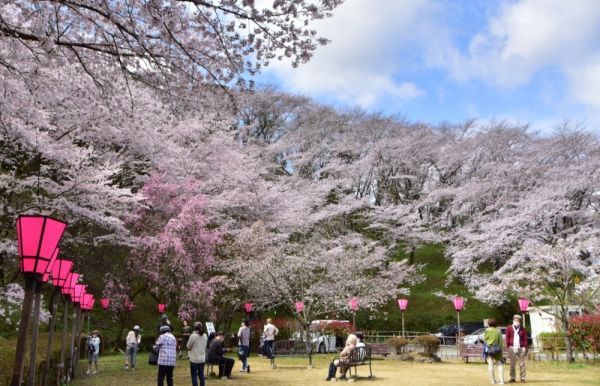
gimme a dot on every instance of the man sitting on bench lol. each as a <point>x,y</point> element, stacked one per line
<point>215,356</point>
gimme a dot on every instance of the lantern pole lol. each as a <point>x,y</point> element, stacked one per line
<point>73,348</point>
<point>34,333</point>
<point>53,307</point>
<point>403,324</point>
<point>17,377</point>
<point>63,346</point>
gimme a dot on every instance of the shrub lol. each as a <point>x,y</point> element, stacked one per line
<point>585,332</point>
<point>429,343</point>
<point>397,342</point>
<point>552,341</point>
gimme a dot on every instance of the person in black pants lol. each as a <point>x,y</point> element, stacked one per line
<point>215,356</point>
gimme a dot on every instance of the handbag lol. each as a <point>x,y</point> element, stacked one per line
<point>493,349</point>
<point>153,357</point>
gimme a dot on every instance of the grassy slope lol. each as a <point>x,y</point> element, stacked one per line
<point>427,312</point>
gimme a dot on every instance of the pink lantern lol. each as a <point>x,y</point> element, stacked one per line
<point>86,300</point>
<point>38,237</point>
<point>299,306</point>
<point>403,303</point>
<point>46,274</point>
<point>78,292</point>
<point>248,307</point>
<point>60,272</point>
<point>523,304</point>
<point>69,285</point>
<point>161,308</point>
<point>458,303</point>
<point>104,302</point>
<point>353,303</point>
<point>91,303</point>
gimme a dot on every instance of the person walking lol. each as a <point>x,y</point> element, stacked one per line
<point>93,352</point>
<point>132,344</point>
<point>196,346</point>
<point>167,355</point>
<point>244,345</point>
<point>516,341</point>
<point>492,350</point>
<point>270,332</point>
<point>216,356</point>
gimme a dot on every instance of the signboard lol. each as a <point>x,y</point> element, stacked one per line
<point>210,327</point>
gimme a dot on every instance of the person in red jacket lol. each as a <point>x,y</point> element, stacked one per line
<point>516,341</point>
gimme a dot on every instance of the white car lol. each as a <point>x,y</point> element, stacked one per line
<point>477,336</point>
<point>323,343</point>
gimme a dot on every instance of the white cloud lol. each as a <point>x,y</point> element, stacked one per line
<point>361,63</point>
<point>526,36</point>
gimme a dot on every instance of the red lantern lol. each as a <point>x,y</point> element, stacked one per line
<point>248,307</point>
<point>299,306</point>
<point>60,272</point>
<point>46,274</point>
<point>459,303</point>
<point>38,237</point>
<point>104,302</point>
<point>161,308</point>
<point>523,304</point>
<point>353,303</point>
<point>403,303</point>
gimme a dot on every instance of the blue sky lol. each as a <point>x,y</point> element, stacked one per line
<point>527,61</point>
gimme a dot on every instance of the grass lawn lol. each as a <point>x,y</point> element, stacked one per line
<point>293,371</point>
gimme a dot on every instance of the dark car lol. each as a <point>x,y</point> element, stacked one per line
<point>447,333</point>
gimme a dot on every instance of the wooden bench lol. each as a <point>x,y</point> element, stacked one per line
<point>380,349</point>
<point>291,348</point>
<point>359,356</point>
<point>467,351</point>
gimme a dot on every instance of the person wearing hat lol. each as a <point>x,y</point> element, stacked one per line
<point>132,344</point>
<point>167,355</point>
<point>216,356</point>
<point>516,341</point>
<point>164,321</point>
<point>196,346</point>
<point>93,351</point>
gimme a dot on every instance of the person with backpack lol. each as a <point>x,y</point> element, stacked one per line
<point>196,346</point>
<point>132,344</point>
<point>492,350</point>
<point>93,350</point>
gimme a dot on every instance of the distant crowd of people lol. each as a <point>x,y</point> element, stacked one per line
<point>202,348</point>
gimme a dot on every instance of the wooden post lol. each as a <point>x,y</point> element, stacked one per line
<point>34,334</point>
<point>403,325</point>
<point>63,347</point>
<point>53,306</point>
<point>19,365</point>
<point>72,361</point>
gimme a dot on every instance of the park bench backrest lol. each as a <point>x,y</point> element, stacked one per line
<point>359,354</point>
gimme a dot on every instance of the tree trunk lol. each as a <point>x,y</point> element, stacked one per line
<point>568,342</point>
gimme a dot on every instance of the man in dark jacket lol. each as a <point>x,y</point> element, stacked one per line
<point>215,356</point>
<point>516,341</point>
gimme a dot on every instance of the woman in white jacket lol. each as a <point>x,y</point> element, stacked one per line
<point>132,342</point>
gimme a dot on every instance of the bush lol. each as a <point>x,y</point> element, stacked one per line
<point>553,341</point>
<point>397,342</point>
<point>585,333</point>
<point>429,343</point>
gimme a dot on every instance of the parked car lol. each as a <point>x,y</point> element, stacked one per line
<point>447,333</point>
<point>324,342</point>
<point>476,337</point>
